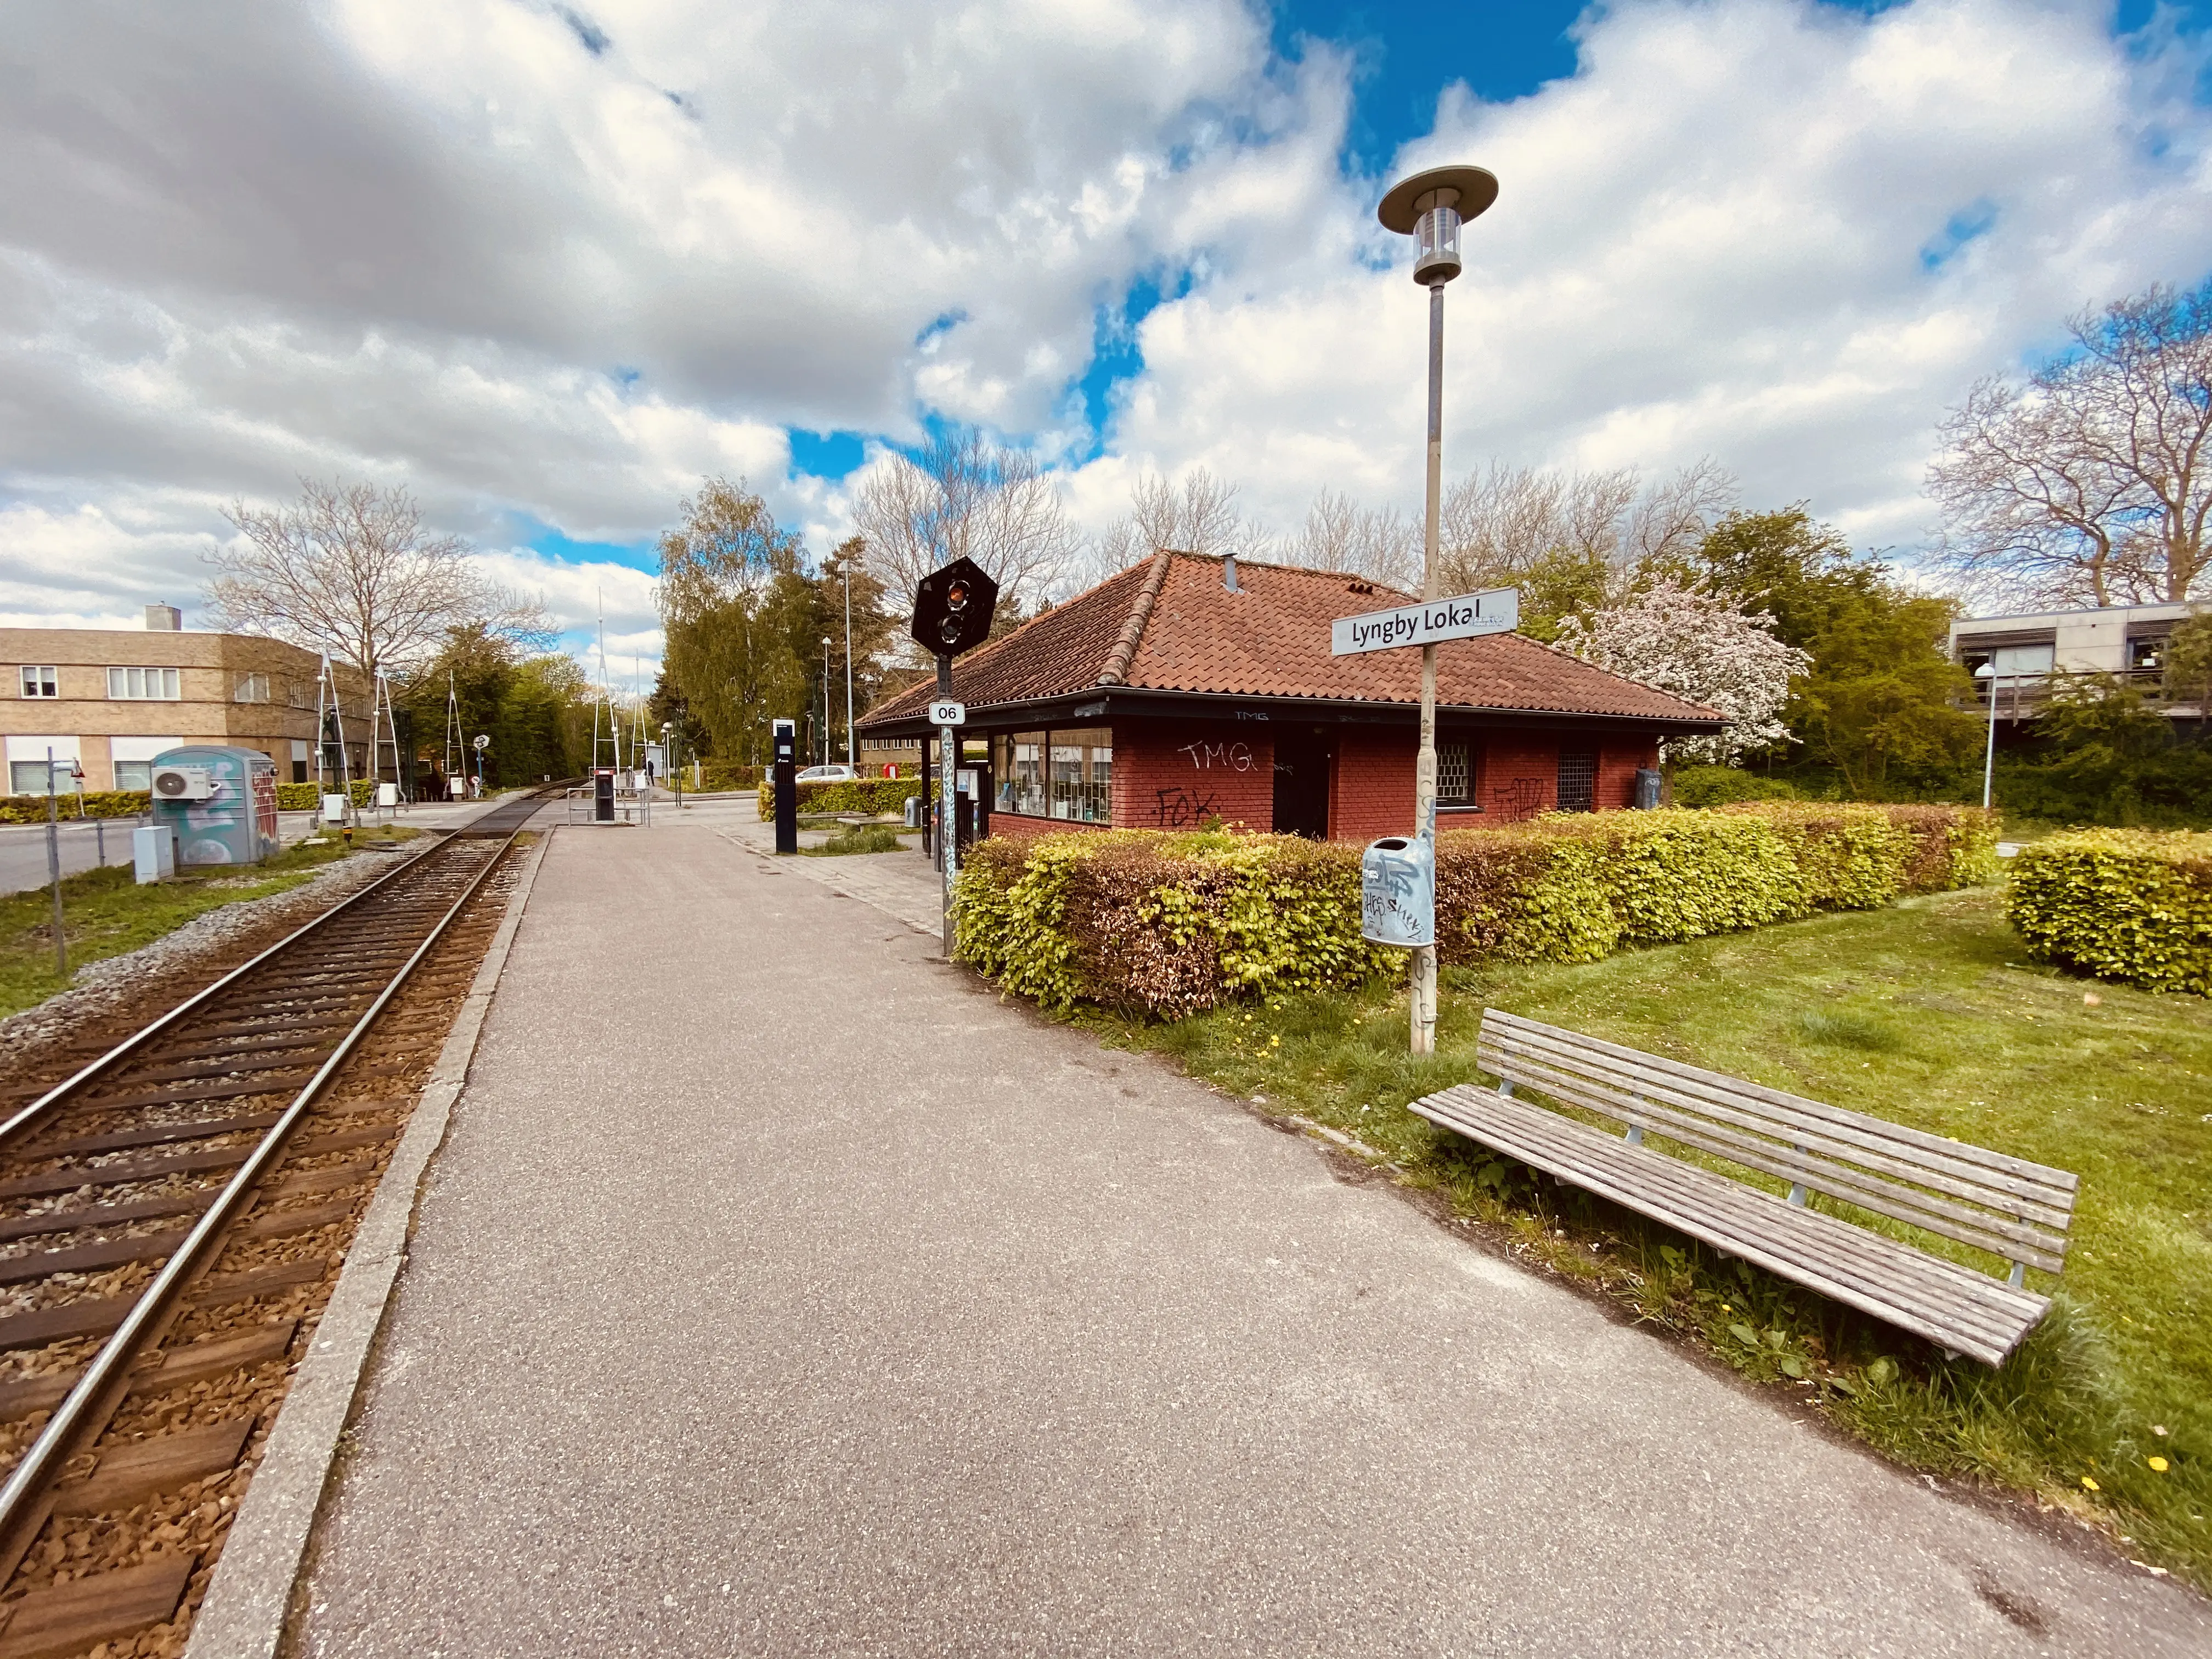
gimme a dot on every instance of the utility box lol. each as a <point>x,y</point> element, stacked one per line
<point>388,795</point>
<point>784,755</point>
<point>153,852</point>
<point>235,821</point>
<point>602,795</point>
<point>1647,788</point>
<point>1398,891</point>
<point>334,809</point>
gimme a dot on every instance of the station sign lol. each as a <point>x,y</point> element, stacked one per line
<point>944,713</point>
<point>1493,610</point>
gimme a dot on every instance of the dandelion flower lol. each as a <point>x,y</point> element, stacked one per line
<point>2091,1484</point>
<point>2158,1463</point>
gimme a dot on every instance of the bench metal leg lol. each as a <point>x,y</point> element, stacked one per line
<point>1635,1136</point>
<point>1505,1087</point>
<point>1798,1188</point>
<point>2019,1275</point>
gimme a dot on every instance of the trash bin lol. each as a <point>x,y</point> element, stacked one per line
<point>1647,788</point>
<point>1398,891</point>
<point>914,812</point>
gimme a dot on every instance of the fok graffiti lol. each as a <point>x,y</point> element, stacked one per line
<point>1178,808</point>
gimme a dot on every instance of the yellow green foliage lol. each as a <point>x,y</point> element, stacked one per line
<point>1171,923</point>
<point>94,804</point>
<point>2133,905</point>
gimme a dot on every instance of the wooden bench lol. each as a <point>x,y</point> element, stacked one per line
<point>2014,1210</point>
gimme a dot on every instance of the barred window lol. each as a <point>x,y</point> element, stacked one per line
<point>1454,774</point>
<point>144,684</point>
<point>1578,782</point>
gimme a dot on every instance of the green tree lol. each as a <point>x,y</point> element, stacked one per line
<point>533,709</point>
<point>1881,698</point>
<point>741,617</point>
<point>2189,663</point>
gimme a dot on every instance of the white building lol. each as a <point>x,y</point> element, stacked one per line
<point>2032,653</point>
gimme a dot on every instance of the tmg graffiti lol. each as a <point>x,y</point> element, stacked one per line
<point>1236,756</point>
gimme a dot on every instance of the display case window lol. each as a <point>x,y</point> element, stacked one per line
<point>1019,765</point>
<point>1083,774</point>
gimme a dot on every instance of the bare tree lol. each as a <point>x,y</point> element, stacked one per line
<point>1501,523</point>
<point>1200,516</point>
<point>965,496</point>
<point>1379,544</point>
<point>2093,480</point>
<point>351,570</point>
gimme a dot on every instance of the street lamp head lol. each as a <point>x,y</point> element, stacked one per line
<point>1988,671</point>
<point>1430,207</point>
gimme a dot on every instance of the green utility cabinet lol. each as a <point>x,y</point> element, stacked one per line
<point>221,802</point>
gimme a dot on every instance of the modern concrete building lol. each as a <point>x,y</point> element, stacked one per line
<point>2035,653</point>
<point>106,700</point>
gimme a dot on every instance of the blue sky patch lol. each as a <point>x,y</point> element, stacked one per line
<point>542,537</point>
<point>1975,219</point>
<point>825,454</point>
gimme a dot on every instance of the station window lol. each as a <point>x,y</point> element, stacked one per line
<point>41,682</point>
<point>1083,774</point>
<point>1454,774</point>
<point>1018,764</point>
<point>1578,782</point>
<point>252,688</point>
<point>144,684</point>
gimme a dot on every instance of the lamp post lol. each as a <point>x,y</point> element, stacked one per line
<point>1430,207</point>
<point>1987,674</point>
<point>825,699</point>
<point>852,758</point>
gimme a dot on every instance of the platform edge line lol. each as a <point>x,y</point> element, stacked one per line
<point>248,1602</point>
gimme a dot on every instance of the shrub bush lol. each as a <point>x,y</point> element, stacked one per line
<point>2133,905</point>
<point>1717,786</point>
<point>97,804</point>
<point>308,797</point>
<point>845,795</point>
<point>1953,847</point>
<point>1170,923</point>
<point>1167,924</point>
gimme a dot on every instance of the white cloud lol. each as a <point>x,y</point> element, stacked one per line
<point>1710,242</point>
<point>448,244</point>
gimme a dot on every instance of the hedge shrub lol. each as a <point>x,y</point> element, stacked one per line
<point>1172,922</point>
<point>845,795</point>
<point>2133,905</point>
<point>97,803</point>
<point>1717,786</point>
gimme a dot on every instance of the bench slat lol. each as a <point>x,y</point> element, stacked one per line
<point>1907,1150</point>
<point>1961,1311</point>
<point>2014,1241</point>
<point>1842,1123</point>
<point>1938,1290</point>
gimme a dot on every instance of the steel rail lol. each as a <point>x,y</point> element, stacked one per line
<point>110,1366</point>
<point>29,1118</point>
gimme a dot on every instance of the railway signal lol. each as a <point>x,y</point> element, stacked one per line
<point>951,613</point>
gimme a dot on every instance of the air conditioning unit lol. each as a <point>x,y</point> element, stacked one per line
<point>183,783</point>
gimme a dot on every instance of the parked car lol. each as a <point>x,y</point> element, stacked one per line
<point>839,773</point>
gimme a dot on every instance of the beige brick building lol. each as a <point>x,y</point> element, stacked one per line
<point>111,699</point>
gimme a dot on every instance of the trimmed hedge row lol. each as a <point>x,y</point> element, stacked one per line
<point>845,795</point>
<point>1171,923</point>
<point>98,804</point>
<point>2133,905</point>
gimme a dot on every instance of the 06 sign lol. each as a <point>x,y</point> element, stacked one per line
<point>948,714</point>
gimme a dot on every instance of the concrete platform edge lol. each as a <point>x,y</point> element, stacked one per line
<point>247,1603</point>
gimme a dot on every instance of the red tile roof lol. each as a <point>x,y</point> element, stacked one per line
<point>1177,627</point>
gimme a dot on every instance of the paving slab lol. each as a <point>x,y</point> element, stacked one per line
<point>780,1289</point>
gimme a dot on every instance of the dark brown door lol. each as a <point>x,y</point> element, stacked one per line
<point>1302,757</point>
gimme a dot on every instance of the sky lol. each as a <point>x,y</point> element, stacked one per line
<point>549,266</point>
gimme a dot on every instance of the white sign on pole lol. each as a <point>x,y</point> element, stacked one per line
<point>1494,611</point>
<point>948,714</point>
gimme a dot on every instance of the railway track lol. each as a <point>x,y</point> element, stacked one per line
<point>172,1217</point>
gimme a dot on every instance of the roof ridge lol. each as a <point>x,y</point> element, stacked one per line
<point>1116,672</point>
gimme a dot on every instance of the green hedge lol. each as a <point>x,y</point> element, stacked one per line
<point>1717,786</point>
<point>308,797</point>
<point>1170,923</point>
<point>97,804</point>
<point>2133,905</point>
<point>845,795</point>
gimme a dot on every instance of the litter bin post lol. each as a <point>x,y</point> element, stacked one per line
<point>1398,891</point>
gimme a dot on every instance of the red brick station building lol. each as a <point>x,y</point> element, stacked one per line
<point>1190,688</point>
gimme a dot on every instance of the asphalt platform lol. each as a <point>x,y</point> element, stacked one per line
<point>780,1290</point>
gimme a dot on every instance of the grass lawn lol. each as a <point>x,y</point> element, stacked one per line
<point>105,914</point>
<point>1929,1014</point>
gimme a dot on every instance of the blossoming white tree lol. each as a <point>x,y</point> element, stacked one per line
<point>1691,642</point>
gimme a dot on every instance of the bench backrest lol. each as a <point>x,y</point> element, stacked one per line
<point>2004,1204</point>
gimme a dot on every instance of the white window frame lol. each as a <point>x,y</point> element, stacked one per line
<point>41,682</point>
<point>129,685</point>
<point>252,688</point>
